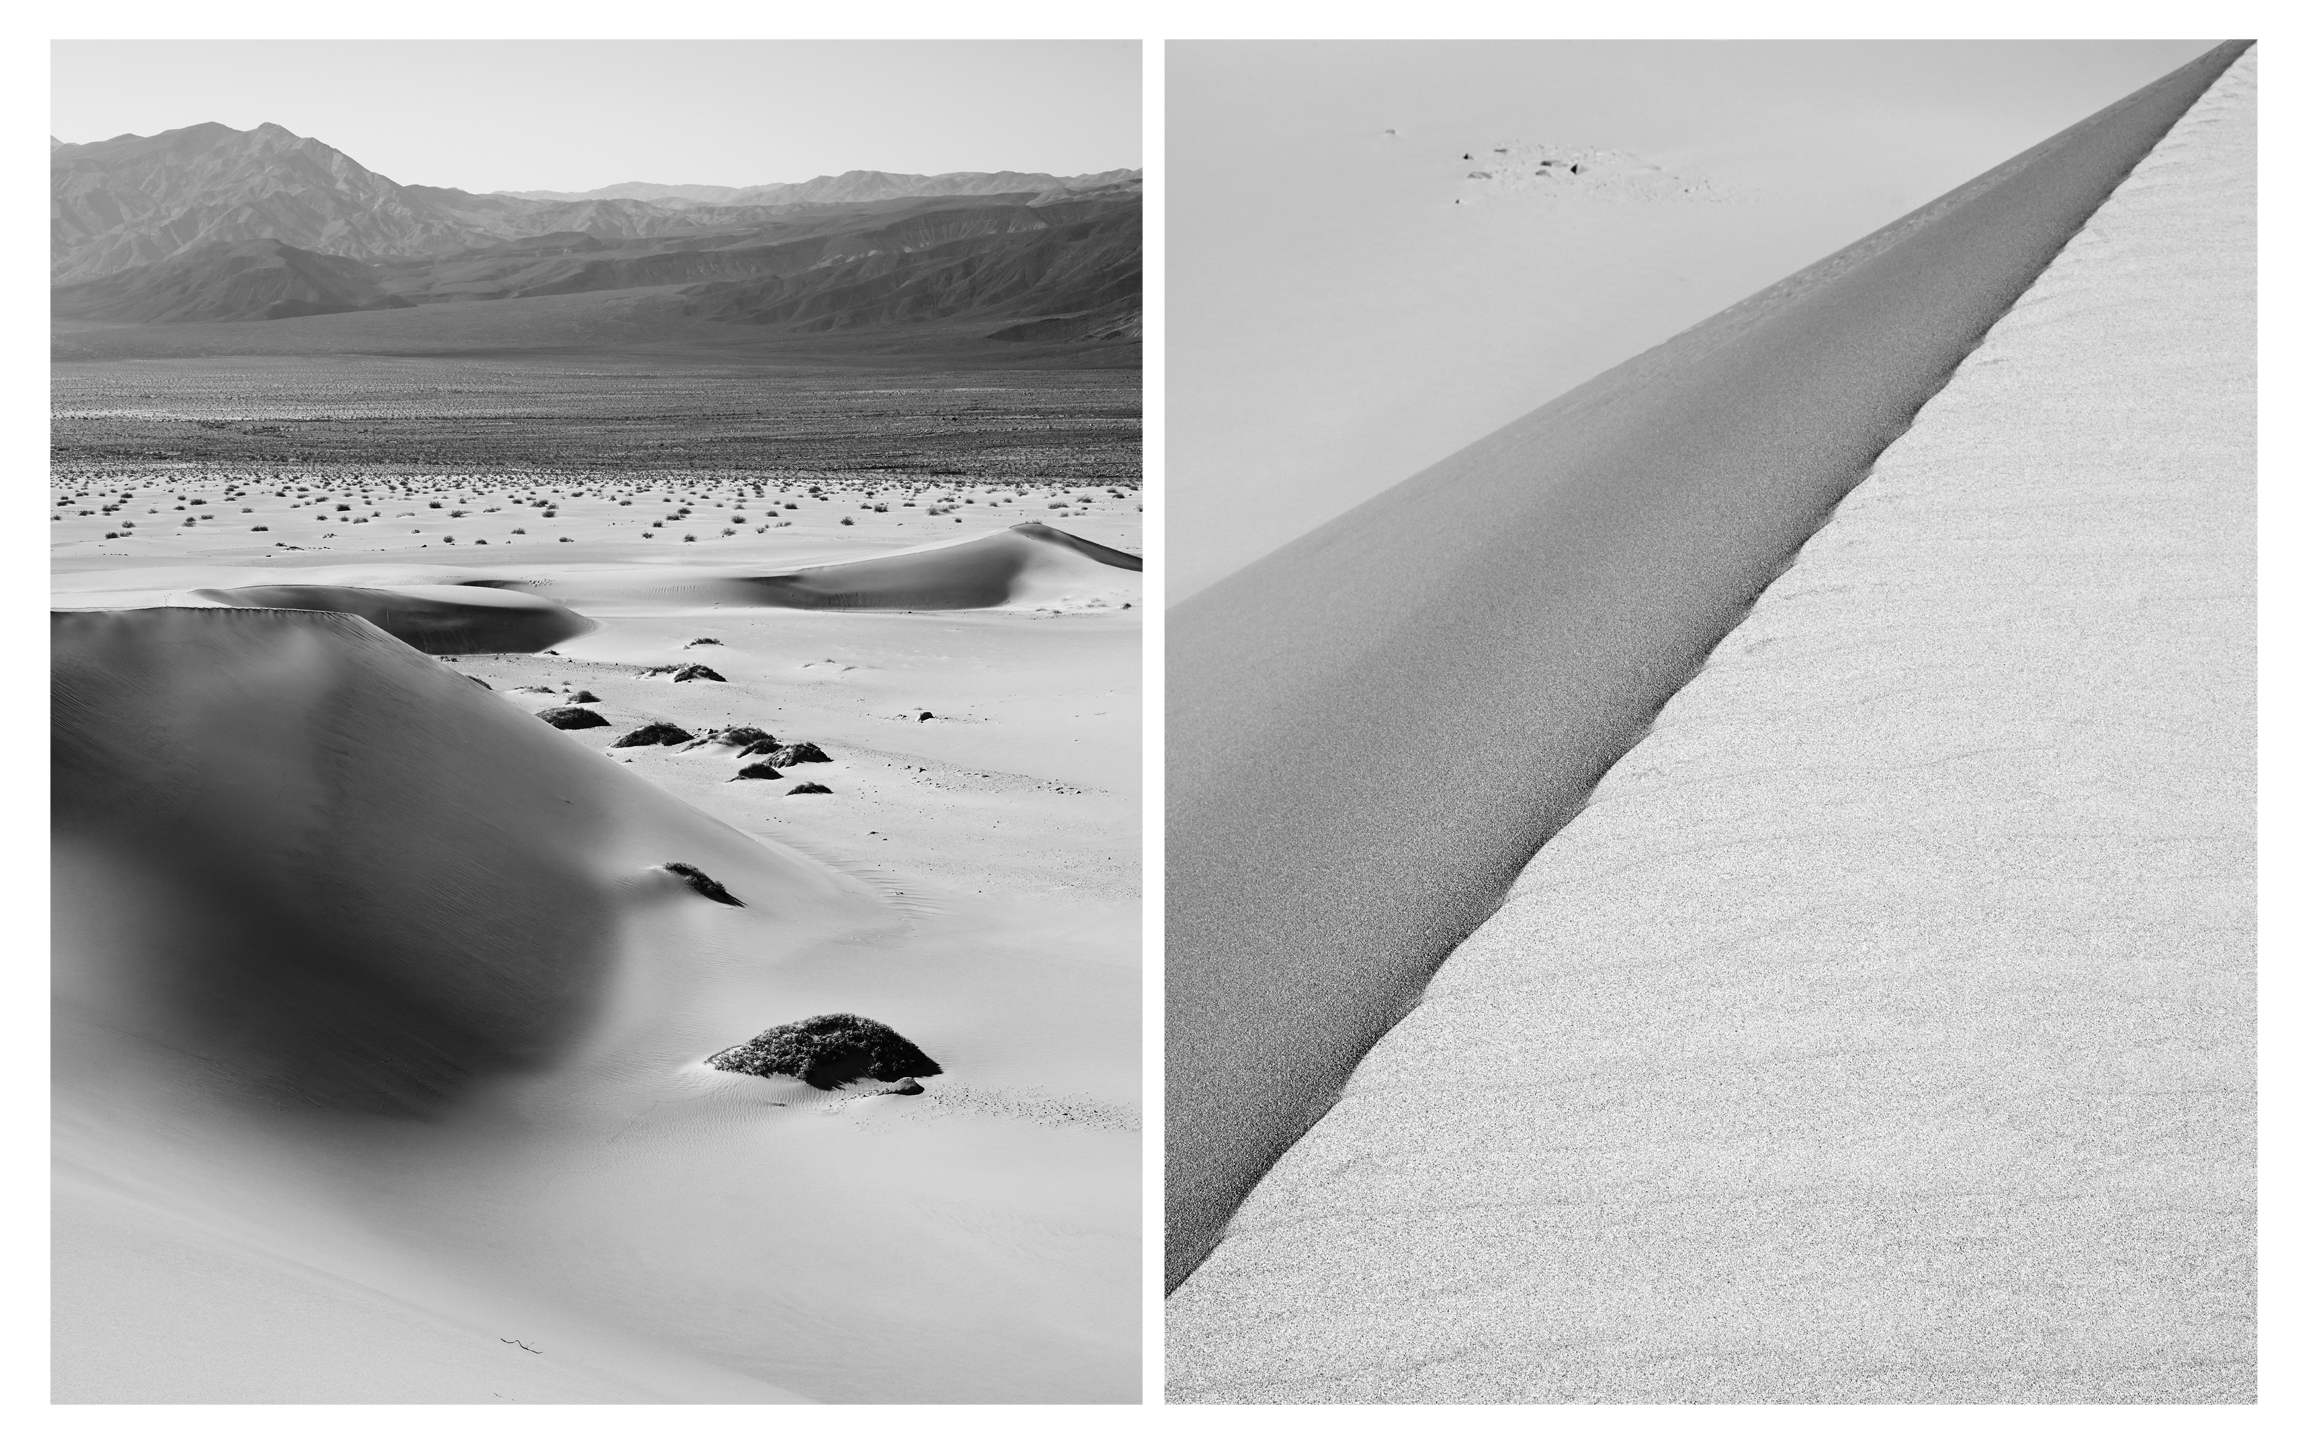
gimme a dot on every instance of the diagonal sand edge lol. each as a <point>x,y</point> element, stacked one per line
<point>1882,1030</point>
<point>1373,728</point>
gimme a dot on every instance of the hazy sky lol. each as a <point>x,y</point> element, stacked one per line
<point>579,114</point>
<point>1336,322</point>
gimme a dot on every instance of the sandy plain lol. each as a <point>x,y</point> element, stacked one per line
<point>570,1206</point>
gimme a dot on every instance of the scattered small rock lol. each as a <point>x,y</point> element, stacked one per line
<point>809,787</point>
<point>655,732</point>
<point>702,883</point>
<point>759,772</point>
<point>828,1051</point>
<point>571,717</point>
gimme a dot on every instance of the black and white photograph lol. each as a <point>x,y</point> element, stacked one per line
<point>1226,722</point>
<point>1710,694</point>
<point>597,706</point>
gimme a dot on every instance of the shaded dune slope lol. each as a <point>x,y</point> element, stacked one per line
<point>436,619</point>
<point>1544,593</point>
<point>300,860</point>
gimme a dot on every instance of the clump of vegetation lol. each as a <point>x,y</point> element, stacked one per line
<point>828,1051</point>
<point>655,732</point>
<point>571,717</point>
<point>702,883</point>
<point>809,787</point>
<point>799,753</point>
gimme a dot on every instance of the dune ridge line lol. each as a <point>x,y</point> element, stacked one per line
<point>1511,620</point>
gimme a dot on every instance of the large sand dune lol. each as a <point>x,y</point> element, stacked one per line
<point>381,1028</point>
<point>436,619</point>
<point>1880,1029</point>
<point>1373,728</point>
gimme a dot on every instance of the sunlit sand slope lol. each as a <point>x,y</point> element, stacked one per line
<point>1371,730</point>
<point>1882,1030</point>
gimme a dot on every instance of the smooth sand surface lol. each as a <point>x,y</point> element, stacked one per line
<point>1372,729</point>
<point>1360,285</point>
<point>1882,1030</point>
<point>380,1031</point>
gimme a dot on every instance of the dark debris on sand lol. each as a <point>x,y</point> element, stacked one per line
<point>702,883</point>
<point>655,732</point>
<point>828,1051</point>
<point>571,717</point>
<point>809,787</point>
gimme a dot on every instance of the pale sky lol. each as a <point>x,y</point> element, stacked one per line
<point>579,114</point>
<point>1336,322</point>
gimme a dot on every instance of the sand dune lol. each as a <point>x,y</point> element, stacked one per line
<point>1358,770</point>
<point>436,619</point>
<point>382,1028</point>
<point>1880,1031</point>
<point>1025,562</point>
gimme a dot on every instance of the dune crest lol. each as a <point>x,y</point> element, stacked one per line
<point>436,619</point>
<point>1024,562</point>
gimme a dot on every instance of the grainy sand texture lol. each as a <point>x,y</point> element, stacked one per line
<point>382,1025</point>
<point>1882,1028</point>
<point>1371,730</point>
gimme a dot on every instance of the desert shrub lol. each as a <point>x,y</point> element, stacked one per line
<point>655,732</point>
<point>800,752</point>
<point>828,1051</point>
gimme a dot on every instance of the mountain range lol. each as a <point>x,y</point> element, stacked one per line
<point>209,223</point>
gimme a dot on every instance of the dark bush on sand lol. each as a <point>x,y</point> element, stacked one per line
<point>746,735</point>
<point>759,772</point>
<point>702,883</point>
<point>828,1051</point>
<point>583,697</point>
<point>698,672</point>
<point>801,753</point>
<point>809,787</point>
<point>656,732</point>
<point>571,717</point>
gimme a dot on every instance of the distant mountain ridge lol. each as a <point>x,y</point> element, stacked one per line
<point>210,223</point>
<point>134,200</point>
